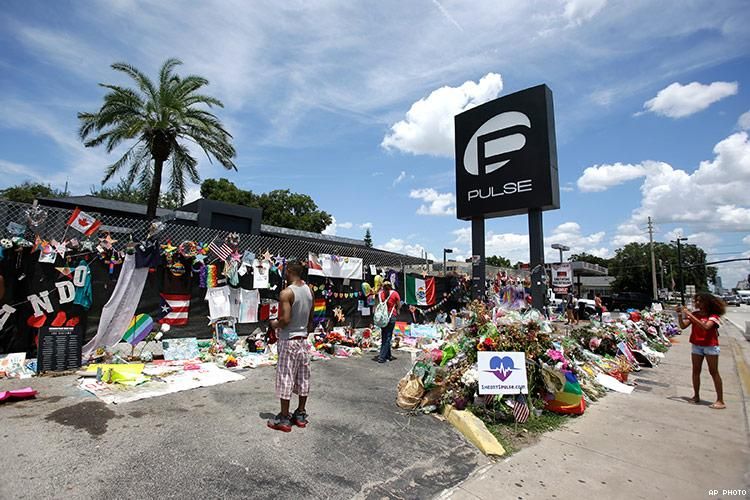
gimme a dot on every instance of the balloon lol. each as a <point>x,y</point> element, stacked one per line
<point>378,283</point>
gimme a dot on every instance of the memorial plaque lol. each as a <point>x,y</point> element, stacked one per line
<point>59,348</point>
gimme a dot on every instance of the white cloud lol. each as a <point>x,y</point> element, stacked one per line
<point>445,13</point>
<point>567,187</point>
<point>629,233</point>
<point>434,203</point>
<point>746,240</point>
<point>334,226</point>
<point>570,234</point>
<point>515,246</point>
<point>603,177</point>
<point>400,178</point>
<point>717,188</point>
<point>713,197</point>
<point>704,240</point>
<point>366,225</point>
<point>579,11</point>
<point>743,123</point>
<point>428,126</point>
<point>401,246</point>
<point>679,101</point>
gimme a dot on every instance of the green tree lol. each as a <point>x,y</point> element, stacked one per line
<point>27,192</point>
<point>368,238</point>
<point>226,191</point>
<point>498,261</point>
<point>283,208</point>
<point>133,194</point>
<point>631,267</point>
<point>280,207</point>
<point>161,120</point>
<point>591,259</point>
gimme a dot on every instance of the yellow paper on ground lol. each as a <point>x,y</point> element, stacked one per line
<point>121,374</point>
<point>135,368</point>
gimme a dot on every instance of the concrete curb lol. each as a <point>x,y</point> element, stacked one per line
<point>474,430</point>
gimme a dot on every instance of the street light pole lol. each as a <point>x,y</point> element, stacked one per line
<point>679,264</point>
<point>562,248</point>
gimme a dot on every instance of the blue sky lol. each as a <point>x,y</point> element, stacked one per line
<point>353,102</point>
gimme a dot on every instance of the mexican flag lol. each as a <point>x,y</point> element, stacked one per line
<point>420,291</point>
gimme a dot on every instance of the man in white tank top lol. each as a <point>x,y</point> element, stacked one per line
<point>293,368</point>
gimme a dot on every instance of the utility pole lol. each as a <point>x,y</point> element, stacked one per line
<point>661,267</point>
<point>679,266</point>
<point>653,261</point>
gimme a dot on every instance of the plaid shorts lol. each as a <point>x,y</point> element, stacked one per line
<point>293,369</point>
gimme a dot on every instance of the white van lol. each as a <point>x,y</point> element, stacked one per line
<point>744,296</point>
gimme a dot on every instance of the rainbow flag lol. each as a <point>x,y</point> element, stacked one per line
<point>402,328</point>
<point>319,310</point>
<point>139,328</point>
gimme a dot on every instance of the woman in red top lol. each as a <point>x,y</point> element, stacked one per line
<point>704,336</point>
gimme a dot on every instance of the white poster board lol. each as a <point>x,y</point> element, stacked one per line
<point>562,275</point>
<point>502,373</point>
<point>334,266</point>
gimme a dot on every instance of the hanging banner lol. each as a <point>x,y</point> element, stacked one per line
<point>562,275</point>
<point>334,266</point>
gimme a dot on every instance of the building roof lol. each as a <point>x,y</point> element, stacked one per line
<point>112,207</point>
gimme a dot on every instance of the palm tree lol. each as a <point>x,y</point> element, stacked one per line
<point>161,120</point>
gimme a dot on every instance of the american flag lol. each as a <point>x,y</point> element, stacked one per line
<point>521,409</point>
<point>489,399</point>
<point>174,309</point>
<point>223,251</point>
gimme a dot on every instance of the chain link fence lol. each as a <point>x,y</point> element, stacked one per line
<point>54,226</point>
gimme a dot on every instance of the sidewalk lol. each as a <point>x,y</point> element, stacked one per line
<point>649,444</point>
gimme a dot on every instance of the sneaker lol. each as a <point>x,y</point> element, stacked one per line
<point>392,358</point>
<point>280,423</point>
<point>299,418</point>
<point>376,358</point>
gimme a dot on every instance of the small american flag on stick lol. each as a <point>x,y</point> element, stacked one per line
<point>520,409</point>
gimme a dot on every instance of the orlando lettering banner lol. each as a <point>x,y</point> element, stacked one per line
<point>334,266</point>
<point>420,291</point>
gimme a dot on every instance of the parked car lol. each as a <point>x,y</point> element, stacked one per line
<point>589,308</point>
<point>629,300</point>
<point>732,300</point>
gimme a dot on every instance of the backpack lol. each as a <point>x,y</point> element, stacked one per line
<point>382,316</point>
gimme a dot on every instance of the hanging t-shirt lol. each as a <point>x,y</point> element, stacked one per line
<point>250,299</point>
<point>147,254</point>
<point>83,295</point>
<point>261,273</point>
<point>177,276</point>
<point>218,302</point>
<point>235,297</point>
<point>231,271</point>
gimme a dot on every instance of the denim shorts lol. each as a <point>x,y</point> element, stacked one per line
<point>706,350</point>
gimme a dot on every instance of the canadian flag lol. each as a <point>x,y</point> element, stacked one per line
<point>83,222</point>
<point>269,310</point>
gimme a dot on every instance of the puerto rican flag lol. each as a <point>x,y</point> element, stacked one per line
<point>83,222</point>
<point>174,309</point>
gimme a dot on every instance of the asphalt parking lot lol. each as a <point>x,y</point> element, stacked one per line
<point>213,442</point>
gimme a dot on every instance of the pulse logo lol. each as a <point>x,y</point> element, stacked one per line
<point>488,150</point>
<point>495,139</point>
